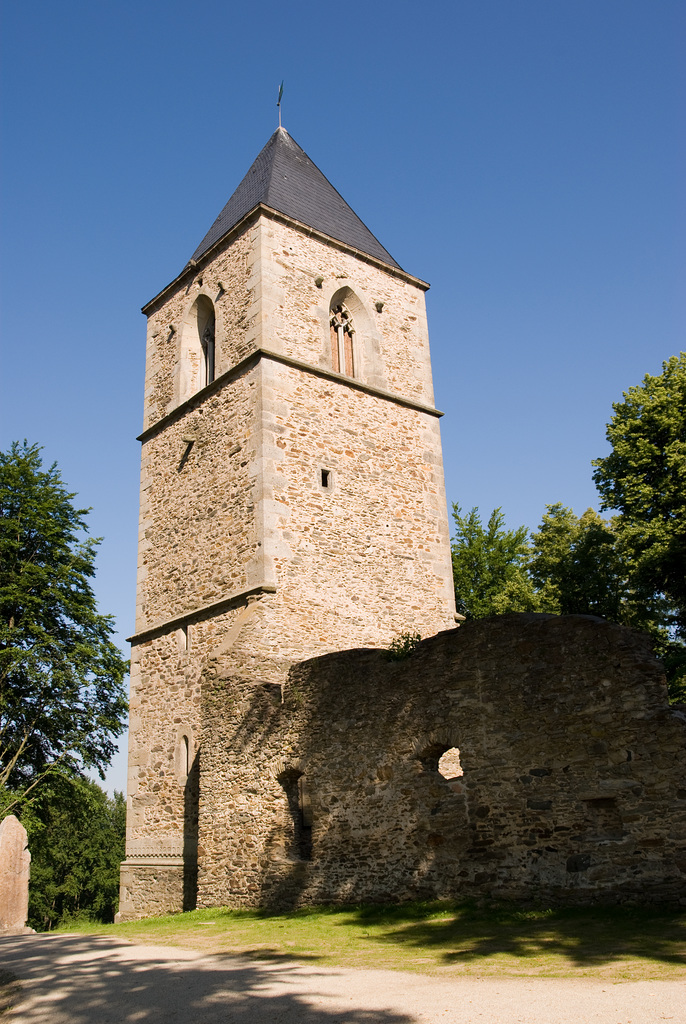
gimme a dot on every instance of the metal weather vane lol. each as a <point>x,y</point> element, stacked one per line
<point>278,102</point>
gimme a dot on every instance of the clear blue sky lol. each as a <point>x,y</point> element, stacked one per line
<point>524,156</point>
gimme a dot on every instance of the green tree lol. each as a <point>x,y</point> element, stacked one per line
<point>489,566</point>
<point>644,480</point>
<point>571,565</point>
<point>76,837</point>
<point>62,700</point>
<point>577,567</point>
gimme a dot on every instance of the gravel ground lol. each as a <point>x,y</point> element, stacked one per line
<point>83,979</point>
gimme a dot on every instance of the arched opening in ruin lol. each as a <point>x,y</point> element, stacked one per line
<point>191,807</point>
<point>299,842</point>
<point>445,761</point>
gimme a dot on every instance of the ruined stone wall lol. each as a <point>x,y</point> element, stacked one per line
<point>573,785</point>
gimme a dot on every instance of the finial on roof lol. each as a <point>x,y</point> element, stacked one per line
<point>278,102</point>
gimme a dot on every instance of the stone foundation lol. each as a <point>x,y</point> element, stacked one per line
<point>155,885</point>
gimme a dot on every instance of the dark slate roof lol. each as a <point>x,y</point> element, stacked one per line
<point>284,178</point>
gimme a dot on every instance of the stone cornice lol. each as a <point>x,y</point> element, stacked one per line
<point>163,860</point>
<point>199,397</point>
<point>203,612</point>
<point>264,353</point>
<point>351,382</point>
<point>193,268</point>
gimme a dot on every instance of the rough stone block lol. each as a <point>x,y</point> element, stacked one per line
<point>15,867</point>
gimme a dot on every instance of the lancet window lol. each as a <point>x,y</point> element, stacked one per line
<point>207,341</point>
<point>196,365</point>
<point>342,333</point>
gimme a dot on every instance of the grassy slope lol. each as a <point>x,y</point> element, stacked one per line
<point>612,943</point>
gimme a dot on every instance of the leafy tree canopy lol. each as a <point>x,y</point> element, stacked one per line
<point>489,566</point>
<point>571,565</point>
<point>576,566</point>
<point>62,700</point>
<point>644,479</point>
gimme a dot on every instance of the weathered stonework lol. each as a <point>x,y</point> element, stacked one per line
<point>242,547</point>
<point>15,869</point>
<point>573,784</point>
<point>289,512</point>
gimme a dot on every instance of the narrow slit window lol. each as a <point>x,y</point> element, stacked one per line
<point>208,349</point>
<point>326,478</point>
<point>299,841</point>
<point>183,757</point>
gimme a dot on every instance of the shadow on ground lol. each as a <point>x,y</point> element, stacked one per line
<point>81,979</point>
<point>586,938</point>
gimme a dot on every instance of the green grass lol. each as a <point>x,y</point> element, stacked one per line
<point>445,938</point>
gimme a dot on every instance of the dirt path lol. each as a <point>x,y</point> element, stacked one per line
<point>77,979</point>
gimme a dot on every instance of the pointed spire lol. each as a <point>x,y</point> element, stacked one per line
<point>284,178</point>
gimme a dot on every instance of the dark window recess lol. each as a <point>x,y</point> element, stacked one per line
<point>603,818</point>
<point>326,478</point>
<point>305,820</point>
<point>300,808</point>
<point>208,351</point>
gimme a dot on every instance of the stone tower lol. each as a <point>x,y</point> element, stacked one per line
<point>292,494</point>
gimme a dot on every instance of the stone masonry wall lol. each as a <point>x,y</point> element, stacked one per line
<point>392,345</point>
<point>162,794</point>
<point>200,537</point>
<point>573,785</point>
<point>233,266</point>
<point>268,298</point>
<point>368,557</point>
<point>240,547</point>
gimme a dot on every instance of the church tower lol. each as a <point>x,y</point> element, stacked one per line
<point>292,493</point>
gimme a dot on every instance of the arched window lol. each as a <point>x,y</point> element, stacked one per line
<point>342,331</point>
<point>197,348</point>
<point>445,760</point>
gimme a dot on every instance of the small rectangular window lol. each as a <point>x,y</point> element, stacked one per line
<point>326,478</point>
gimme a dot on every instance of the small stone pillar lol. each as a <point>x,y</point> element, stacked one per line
<point>15,867</point>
